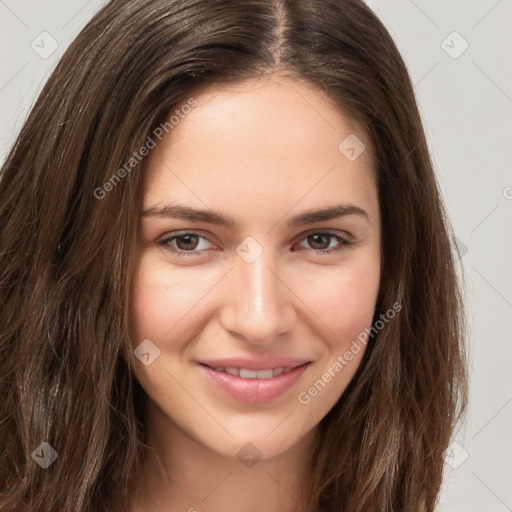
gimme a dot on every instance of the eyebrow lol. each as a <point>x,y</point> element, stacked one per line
<point>211,217</point>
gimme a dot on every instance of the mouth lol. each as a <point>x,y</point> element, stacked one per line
<point>253,386</point>
<point>246,373</point>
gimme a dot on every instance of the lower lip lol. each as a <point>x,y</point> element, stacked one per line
<point>253,391</point>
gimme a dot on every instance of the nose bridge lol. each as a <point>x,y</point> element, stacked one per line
<point>261,298</point>
<point>258,304</point>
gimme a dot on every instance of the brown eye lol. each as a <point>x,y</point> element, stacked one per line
<point>321,242</point>
<point>186,244</point>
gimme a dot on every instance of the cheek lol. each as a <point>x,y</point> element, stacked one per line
<point>345,302</point>
<point>354,310</point>
<point>162,310</point>
<point>160,300</point>
<point>346,305</point>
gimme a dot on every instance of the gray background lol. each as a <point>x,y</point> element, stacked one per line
<point>465,97</point>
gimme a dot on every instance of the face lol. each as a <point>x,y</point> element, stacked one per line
<point>245,304</point>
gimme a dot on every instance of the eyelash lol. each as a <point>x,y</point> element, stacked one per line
<point>164,243</point>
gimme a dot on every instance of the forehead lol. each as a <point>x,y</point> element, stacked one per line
<point>270,142</point>
<point>267,112</point>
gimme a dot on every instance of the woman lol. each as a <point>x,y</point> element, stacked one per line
<point>226,270</point>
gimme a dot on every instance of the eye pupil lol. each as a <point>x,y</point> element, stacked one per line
<point>317,239</point>
<point>187,239</point>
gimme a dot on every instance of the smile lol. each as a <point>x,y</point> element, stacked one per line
<point>253,386</point>
<point>245,373</point>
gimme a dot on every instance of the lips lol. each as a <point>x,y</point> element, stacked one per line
<point>253,381</point>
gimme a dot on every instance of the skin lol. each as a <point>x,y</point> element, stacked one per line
<point>260,152</point>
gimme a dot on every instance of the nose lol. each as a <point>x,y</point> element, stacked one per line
<point>259,304</point>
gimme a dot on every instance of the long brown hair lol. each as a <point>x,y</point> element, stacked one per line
<point>67,253</point>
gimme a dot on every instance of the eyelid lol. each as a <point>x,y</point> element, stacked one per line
<point>333,232</point>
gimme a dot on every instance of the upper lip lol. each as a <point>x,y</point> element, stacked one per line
<point>262,363</point>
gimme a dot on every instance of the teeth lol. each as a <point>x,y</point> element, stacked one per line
<point>248,374</point>
<point>244,373</point>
